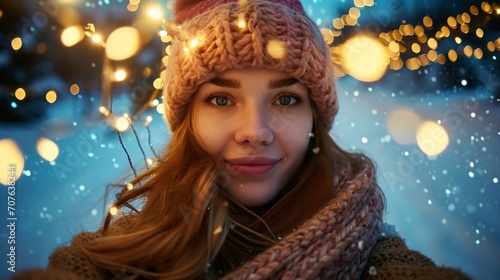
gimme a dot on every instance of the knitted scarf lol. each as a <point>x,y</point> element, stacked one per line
<point>334,244</point>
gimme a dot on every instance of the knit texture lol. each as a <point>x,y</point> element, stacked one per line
<point>237,35</point>
<point>340,242</point>
<point>334,244</point>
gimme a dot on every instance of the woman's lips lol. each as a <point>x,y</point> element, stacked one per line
<point>252,166</point>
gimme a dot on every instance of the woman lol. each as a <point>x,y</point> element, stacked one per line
<point>251,185</point>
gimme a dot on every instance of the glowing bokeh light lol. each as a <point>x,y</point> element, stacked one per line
<point>113,210</point>
<point>123,43</point>
<point>74,89</point>
<point>432,138</point>
<point>47,149</point>
<point>122,124</point>
<point>276,49</point>
<point>51,96</point>
<point>158,83</point>
<point>96,38</point>
<point>402,125</point>
<point>365,58</point>
<point>72,36</point>
<point>104,111</point>
<point>120,75</point>
<point>155,13</point>
<point>160,108</point>
<point>11,156</point>
<point>20,94</point>
<point>16,43</point>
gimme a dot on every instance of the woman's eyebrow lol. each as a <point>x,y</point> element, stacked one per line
<point>225,82</point>
<point>279,83</point>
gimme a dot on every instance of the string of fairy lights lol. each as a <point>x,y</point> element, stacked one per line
<point>420,41</point>
<point>410,46</point>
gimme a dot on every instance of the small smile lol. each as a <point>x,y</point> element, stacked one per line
<point>252,166</point>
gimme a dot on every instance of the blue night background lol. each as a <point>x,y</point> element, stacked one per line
<point>419,90</point>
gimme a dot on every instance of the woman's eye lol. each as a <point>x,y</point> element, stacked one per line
<point>286,100</point>
<point>220,101</point>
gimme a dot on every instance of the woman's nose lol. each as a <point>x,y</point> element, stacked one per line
<point>254,127</point>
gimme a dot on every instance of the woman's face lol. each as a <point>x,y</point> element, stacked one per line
<point>256,123</point>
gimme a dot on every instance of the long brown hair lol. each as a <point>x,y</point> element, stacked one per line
<point>189,229</point>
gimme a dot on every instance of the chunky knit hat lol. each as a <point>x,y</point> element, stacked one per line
<point>219,35</point>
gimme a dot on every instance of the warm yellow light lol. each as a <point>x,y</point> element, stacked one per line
<point>20,94</point>
<point>441,59</point>
<point>51,96</point>
<point>394,46</point>
<point>369,3</point>
<point>415,48</point>
<point>486,7</point>
<point>134,2</point>
<point>149,119</point>
<point>337,23</point>
<point>132,8</point>
<point>479,33</point>
<point>452,55</point>
<point>402,124</point>
<point>478,53</point>
<point>158,83</point>
<point>365,58</point>
<point>160,108</point>
<point>11,163</point>
<point>72,35</point>
<point>446,31</point>
<point>327,35</point>
<point>432,55</point>
<point>490,46</point>
<point>464,28</point>
<point>359,3</point>
<point>474,10</point>
<point>466,17</point>
<point>427,22</point>
<point>47,149</point>
<point>96,38</point>
<point>193,43</point>
<point>242,23</point>
<point>113,210</point>
<point>458,40</point>
<point>432,138</point>
<point>432,43</point>
<point>129,187</point>
<point>154,103</point>
<point>120,75</point>
<point>104,111</point>
<point>354,13</point>
<point>413,63</point>
<point>396,34</point>
<point>16,43</point>
<point>396,64</point>
<point>419,30</point>
<point>452,22</point>
<point>351,21</point>
<point>276,49</point>
<point>74,89</point>
<point>123,43</point>
<point>468,51</point>
<point>122,124</point>
<point>168,50</point>
<point>422,38</point>
<point>155,13</point>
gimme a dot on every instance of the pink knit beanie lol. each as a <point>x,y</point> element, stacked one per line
<point>219,35</point>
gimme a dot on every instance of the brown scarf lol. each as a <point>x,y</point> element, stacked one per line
<point>334,244</point>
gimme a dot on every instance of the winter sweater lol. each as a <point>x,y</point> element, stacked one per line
<point>344,240</point>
